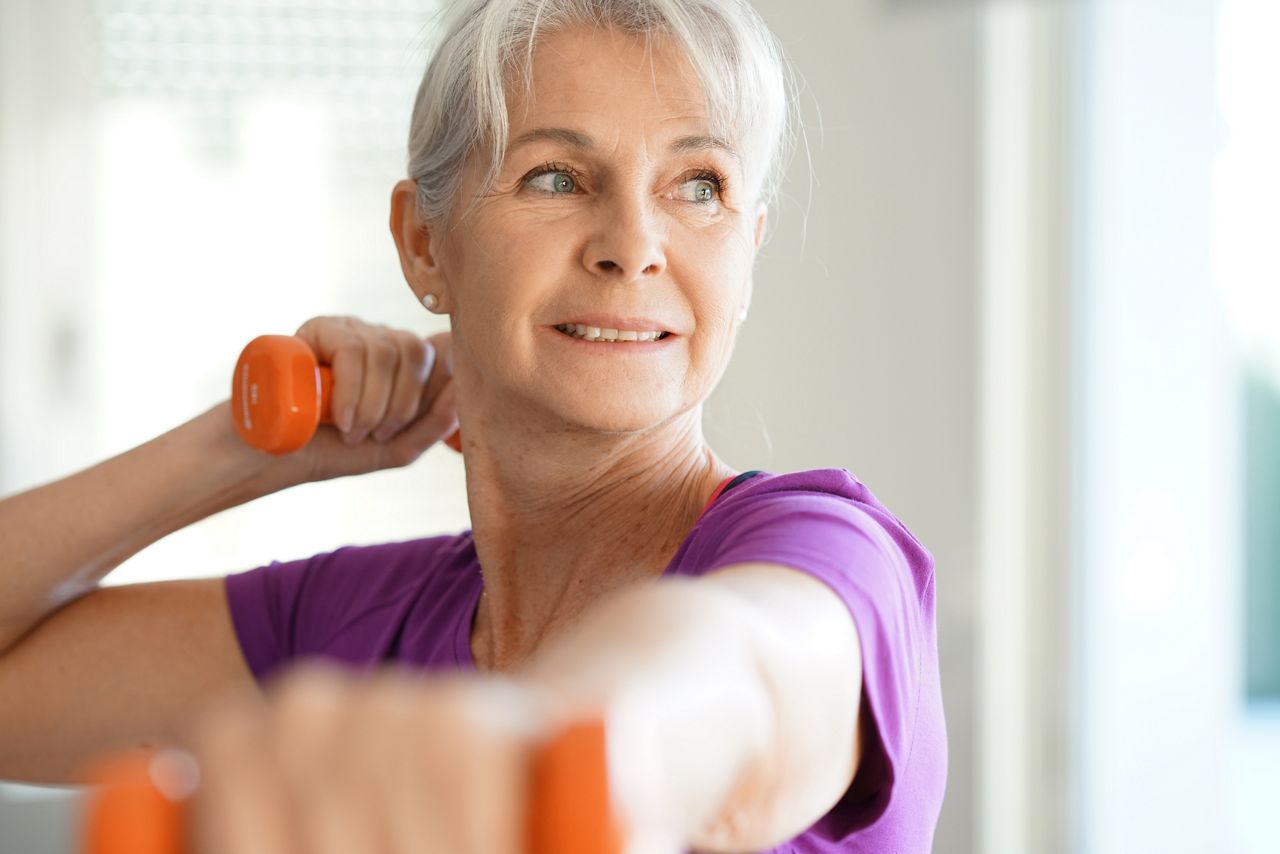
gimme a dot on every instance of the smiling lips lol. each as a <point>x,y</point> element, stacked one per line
<point>599,333</point>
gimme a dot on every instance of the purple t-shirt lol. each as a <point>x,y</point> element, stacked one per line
<point>413,602</point>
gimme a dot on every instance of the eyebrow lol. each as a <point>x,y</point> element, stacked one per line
<point>696,142</point>
<point>583,142</point>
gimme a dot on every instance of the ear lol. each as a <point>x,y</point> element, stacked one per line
<point>762,216</point>
<point>418,247</point>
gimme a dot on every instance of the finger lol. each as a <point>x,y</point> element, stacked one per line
<point>411,815</point>
<point>417,358</point>
<point>315,716</point>
<point>497,767</point>
<point>422,810</point>
<point>381,360</point>
<point>442,370</point>
<point>241,804</point>
<point>440,421</point>
<point>460,782</point>
<point>347,365</point>
<point>337,343</point>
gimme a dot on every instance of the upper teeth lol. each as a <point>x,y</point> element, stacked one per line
<point>596,333</point>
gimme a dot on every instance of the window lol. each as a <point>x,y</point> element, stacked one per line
<point>245,157</point>
<point>1179,370</point>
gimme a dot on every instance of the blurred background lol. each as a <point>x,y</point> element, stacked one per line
<point>1023,282</point>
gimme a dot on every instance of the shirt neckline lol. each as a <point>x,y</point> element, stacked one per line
<point>462,641</point>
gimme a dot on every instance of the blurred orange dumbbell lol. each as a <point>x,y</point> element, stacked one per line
<point>138,800</point>
<point>280,393</point>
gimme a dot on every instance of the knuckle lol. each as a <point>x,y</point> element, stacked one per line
<point>384,352</point>
<point>401,455</point>
<point>387,430</point>
<point>309,692</point>
<point>398,454</point>
<point>348,355</point>
<point>225,727</point>
<point>353,342</point>
<point>316,319</point>
<point>320,320</point>
<point>392,694</point>
<point>407,412</point>
<point>411,407</point>
<point>414,347</point>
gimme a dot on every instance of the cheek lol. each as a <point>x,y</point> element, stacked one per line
<point>716,270</point>
<point>717,263</point>
<point>520,235</point>
<point>505,267</point>
<point>502,262</point>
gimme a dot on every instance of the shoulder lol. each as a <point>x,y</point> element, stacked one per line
<point>831,485</point>
<point>403,557</point>
<point>367,567</point>
<point>825,510</point>
<point>828,524</point>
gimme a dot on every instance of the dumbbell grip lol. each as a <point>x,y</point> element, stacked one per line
<point>569,810</point>
<point>324,376</point>
<point>280,393</point>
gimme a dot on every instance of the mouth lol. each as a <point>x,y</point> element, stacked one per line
<point>584,332</point>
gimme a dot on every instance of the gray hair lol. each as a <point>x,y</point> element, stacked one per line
<point>461,102</point>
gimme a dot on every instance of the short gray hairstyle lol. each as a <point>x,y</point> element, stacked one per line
<point>461,102</point>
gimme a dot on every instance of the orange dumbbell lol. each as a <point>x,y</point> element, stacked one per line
<point>280,393</point>
<point>138,801</point>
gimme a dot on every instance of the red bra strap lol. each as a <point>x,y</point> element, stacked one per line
<point>719,489</point>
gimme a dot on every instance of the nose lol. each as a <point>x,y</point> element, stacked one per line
<point>628,242</point>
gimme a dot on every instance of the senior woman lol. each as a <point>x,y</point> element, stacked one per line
<point>588,191</point>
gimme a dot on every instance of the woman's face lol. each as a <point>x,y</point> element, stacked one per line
<point>614,209</point>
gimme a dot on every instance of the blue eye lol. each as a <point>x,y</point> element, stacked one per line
<point>702,189</point>
<point>553,182</point>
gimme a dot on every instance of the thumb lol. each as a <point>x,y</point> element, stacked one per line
<point>440,420</point>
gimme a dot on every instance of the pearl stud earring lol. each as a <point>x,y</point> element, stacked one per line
<point>430,302</point>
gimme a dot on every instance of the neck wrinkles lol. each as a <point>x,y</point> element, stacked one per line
<point>560,520</point>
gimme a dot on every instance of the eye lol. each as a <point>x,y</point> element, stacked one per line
<point>702,188</point>
<point>550,179</point>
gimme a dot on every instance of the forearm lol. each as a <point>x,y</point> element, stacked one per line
<point>62,538</point>
<point>671,664</point>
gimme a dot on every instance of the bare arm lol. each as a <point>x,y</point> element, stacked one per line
<point>751,679</point>
<point>122,667</point>
<point>62,538</point>
<point>85,669</point>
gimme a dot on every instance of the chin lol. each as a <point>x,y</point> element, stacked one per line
<point>614,419</point>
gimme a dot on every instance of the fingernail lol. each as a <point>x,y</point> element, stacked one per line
<point>344,421</point>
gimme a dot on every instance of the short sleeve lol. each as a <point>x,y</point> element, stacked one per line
<point>356,605</point>
<point>883,577</point>
<point>285,609</point>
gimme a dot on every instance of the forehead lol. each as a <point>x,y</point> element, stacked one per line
<point>594,74</point>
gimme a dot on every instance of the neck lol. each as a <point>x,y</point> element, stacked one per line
<point>561,519</point>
